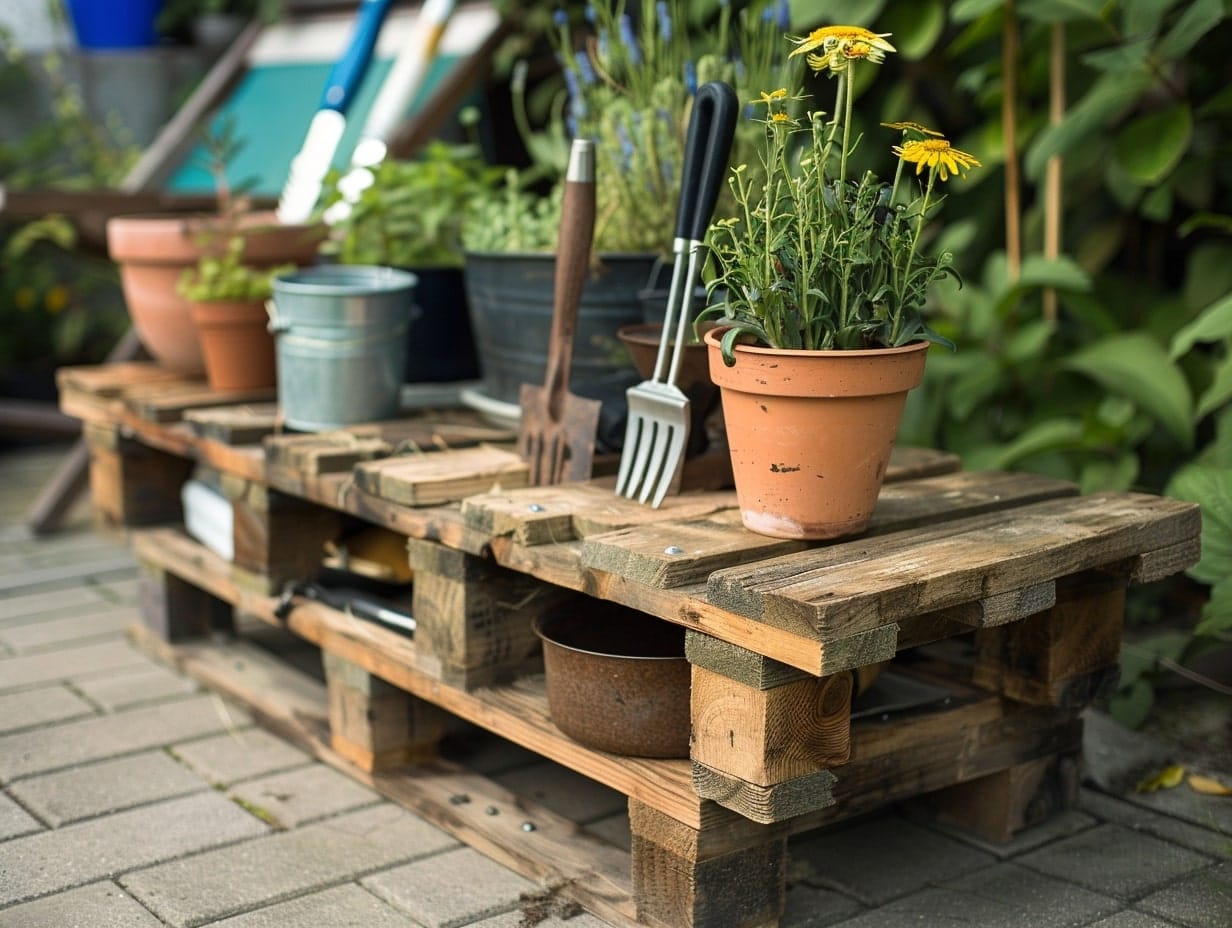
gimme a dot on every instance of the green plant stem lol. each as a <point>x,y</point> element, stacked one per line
<point>847,112</point>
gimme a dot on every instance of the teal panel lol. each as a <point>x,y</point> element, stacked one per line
<point>272,107</point>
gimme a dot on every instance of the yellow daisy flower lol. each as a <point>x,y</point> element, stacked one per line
<point>772,97</point>
<point>936,154</point>
<point>839,42</point>
<point>908,126</point>
<point>782,119</point>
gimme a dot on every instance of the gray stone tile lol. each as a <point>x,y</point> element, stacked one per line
<point>564,914</point>
<point>346,906</point>
<point>67,601</point>
<point>939,907</point>
<point>239,755</point>
<point>1116,861</point>
<point>881,858</point>
<point>101,563</point>
<point>90,625</point>
<point>32,708</point>
<point>1062,825</point>
<point>109,786</point>
<point>1132,918</point>
<point>136,687</point>
<point>451,889</point>
<point>303,795</point>
<point>76,854</point>
<point>1025,896</point>
<point>14,820</point>
<point>1202,901</point>
<point>1128,815</point>
<point>116,589</point>
<point>1187,805</point>
<point>99,905</point>
<point>67,663</point>
<point>814,907</point>
<point>577,798</point>
<point>58,746</point>
<point>246,876</point>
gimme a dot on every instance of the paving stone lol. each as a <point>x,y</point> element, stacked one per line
<point>110,786</point>
<point>67,601</point>
<point>54,860</point>
<point>1119,812</point>
<point>881,858</point>
<point>1116,861</point>
<point>42,706</point>
<point>451,889</point>
<point>813,907</point>
<point>1132,918</point>
<point>14,820</point>
<point>571,918</point>
<point>67,663</point>
<point>1202,901</point>
<point>347,906</point>
<point>304,795</point>
<point>54,633</point>
<point>135,687</point>
<point>1026,896</point>
<point>239,755</point>
<point>116,589</point>
<point>58,746</point>
<point>96,563</point>
<point>99,905</point>
<point>1062,825</point>
<point>246,876</point>
<point>1214,812</point>
<point>579,799</point>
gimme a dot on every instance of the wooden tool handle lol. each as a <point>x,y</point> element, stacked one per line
<point>577,226</point>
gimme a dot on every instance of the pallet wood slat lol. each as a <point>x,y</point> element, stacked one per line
<point>432,478</point>
<point>239,424</point>
<point>860,584</point>
<point>672,553</point>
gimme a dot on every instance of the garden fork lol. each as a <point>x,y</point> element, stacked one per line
<point>652,458</point>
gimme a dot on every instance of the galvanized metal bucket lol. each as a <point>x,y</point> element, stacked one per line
<point>340,333</point>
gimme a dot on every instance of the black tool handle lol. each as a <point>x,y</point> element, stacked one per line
<point>707,150</point>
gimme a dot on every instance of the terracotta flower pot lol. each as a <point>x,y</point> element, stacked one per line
<point>153,251</point>
<point>236,342</point>
<point>811,432</point>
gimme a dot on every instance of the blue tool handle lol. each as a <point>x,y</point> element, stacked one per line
<point>707,149</point>
<point>348,71</point>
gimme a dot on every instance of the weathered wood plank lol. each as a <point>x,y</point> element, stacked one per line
<point>868,582</point>
<point>242,424</point>
<point>169,401</point>
<point>436,477</point>
<point>674,553</point>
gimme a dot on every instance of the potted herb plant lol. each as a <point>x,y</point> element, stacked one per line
<point>824,280</point>
<point>410,216</point>
<point>153,251</point>
<point>629,80</point>
<point>228,299</point>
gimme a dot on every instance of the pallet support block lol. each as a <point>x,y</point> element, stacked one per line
<point>1064,656</point>
<point>999,805</point>
<point>729,876</point>
<point>131,483</point>
<point>174,609</point>
<point>375,725</point>
<point>277,537</point>
<point>475,619</point>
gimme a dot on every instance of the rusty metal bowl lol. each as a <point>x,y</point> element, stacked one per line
<point>617,681</point>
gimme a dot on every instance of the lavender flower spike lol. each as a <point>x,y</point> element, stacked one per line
<point>629,39</point>
<point>665,20</point>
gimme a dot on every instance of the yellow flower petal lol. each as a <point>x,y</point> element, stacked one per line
<point>1168,778</point>
<point>831,37</point>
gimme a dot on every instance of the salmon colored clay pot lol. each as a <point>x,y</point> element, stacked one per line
<point>236,342</point>
<point>153,251</point>
<point>810,432</point>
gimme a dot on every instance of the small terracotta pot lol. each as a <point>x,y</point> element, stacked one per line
<point>811,432</point>
<point>153,251</point>
<point>236,342</point>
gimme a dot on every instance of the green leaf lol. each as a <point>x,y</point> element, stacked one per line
<point>1211,488</point>
<point>1213,324</point>
<point>915,28</point>
<point>1143,17</point>
<point>1219,393</point>
<point>1131,705</point>
<point>1049,435</point>
<point>1199,18</point>
<point>1115,475</point>
<point>1134,365</point>
<point>1107,99</point>
<point>966,10</point>
<point>1132,56</point>
<point>1060,11</point>
<point>1217,612</point>
<point>1152,145</point>
<point>1029,341</point>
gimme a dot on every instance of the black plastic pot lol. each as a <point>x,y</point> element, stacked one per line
<point>440,346</point>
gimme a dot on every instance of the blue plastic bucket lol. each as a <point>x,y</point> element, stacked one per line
<point>340,335</point>
<point>115,24</point>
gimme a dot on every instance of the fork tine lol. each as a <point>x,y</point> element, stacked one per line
<point>641,460</point>
<point>654,459</point>
<point>673,468</point>
<point>633,430</point>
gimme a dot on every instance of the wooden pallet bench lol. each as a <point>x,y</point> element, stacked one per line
<point>1006,590</point>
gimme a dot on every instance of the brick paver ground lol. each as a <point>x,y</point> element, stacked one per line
<point>130,797</point>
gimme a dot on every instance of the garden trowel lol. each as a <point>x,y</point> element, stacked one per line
<point>557,435</point>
